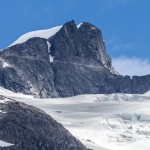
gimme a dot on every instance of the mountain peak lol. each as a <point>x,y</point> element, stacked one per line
<point>70,23</point>
<point>88,25</point>
<point>64,61</point>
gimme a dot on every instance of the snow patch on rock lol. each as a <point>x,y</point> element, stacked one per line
<point>5,64</point>
<point>49,46</point>
<point>51,58</point>
<point>93,28</point>
<point>5,144</point>
<point>78,26</point>
<point>3,112</point>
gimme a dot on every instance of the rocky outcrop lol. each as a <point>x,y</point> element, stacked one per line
<point>71,62</point>
<point>26,68</point>
<point>29,128</point>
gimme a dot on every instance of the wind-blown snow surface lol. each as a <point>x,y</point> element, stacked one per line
<point>40,33</point>
<point>101,122</point>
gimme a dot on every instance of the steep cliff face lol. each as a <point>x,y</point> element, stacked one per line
<point>29,128</point>
<point>72,61</point>
<point>26,68</point>
<point>83,45</point>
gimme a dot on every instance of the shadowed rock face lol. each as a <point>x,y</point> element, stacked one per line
<point>29,128</point>
<point>80,66</point>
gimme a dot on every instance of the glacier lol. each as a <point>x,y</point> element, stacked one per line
<point>99,121</point>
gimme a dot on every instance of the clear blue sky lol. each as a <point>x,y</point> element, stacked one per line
<point>125,24</point>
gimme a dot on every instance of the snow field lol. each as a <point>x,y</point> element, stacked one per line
<point>101,122</point>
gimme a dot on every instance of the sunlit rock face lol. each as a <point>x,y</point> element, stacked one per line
<point>72,61</point>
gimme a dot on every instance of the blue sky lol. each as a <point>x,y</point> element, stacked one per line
<point>125,24</point>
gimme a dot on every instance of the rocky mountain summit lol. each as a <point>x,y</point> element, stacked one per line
<point>29,128</point>
<point>72,60</point>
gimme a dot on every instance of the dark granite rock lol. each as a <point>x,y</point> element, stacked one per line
<point>29,128</point>
<point>29,69</point>
<point>80,65</point>
<point>83,45</point>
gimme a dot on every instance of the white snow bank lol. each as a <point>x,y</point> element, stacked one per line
<point>5,144</point>
<point>40,33</point>
<point>78,26</point>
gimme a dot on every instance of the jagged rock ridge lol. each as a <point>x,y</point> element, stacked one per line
<point>71,62</point>
<point>29,128</point>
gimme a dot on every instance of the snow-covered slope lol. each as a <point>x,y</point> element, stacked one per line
<point>39,33</point>
<point>101,122</point>
<point>47,33</point>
